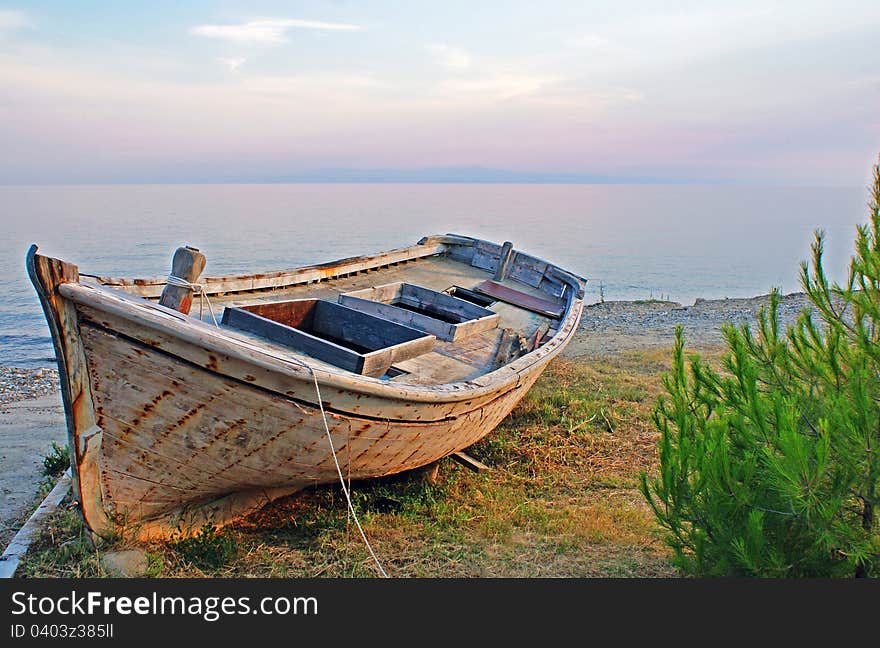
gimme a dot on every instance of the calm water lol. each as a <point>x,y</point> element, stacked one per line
<point>635,241</point>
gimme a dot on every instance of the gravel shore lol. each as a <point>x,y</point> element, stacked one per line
<point>26,384</point>
<point>611,327</point>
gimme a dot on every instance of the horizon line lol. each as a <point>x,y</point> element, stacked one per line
<point>464,174</point>
<point>537,182</point>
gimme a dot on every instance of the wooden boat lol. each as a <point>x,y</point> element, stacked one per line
<point>400,358</point>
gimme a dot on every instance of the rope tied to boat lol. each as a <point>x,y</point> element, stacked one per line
<point>341,477</point>
<point>198,289</point>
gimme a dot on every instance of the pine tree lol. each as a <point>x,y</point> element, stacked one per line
<point>771,467</point>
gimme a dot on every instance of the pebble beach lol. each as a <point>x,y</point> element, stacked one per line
<point>610,327</point>
<point>25,384</point>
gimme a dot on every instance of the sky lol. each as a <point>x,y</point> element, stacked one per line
<point>754,92</point>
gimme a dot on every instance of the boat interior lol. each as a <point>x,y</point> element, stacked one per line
<point>337,321</point>
<point>427,320</point>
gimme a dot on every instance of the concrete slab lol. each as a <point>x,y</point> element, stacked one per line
<point>27,429</point>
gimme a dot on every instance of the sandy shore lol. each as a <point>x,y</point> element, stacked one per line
<point>27,430</point>
<point>31,415</point>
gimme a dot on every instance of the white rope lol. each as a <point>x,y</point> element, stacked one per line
<point>198,289</point>
<point>342,479</point>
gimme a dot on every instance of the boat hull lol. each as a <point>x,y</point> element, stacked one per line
<point>176,435</point>
<point>173,428</point>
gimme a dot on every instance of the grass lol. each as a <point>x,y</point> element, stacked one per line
<point>561,500</point>
<point>57,461</point>
<point>208,549</point>
<point>652,300</point>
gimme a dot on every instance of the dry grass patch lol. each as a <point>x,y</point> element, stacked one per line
<point>561,500</point>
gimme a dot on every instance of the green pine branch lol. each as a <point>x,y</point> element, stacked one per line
<point>771,466</point>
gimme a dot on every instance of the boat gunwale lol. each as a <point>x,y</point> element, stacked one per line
<point>151,287</point>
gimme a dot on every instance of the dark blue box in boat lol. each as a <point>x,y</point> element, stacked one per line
<point>341,336</point>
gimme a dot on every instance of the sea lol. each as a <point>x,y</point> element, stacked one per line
<point>632,242</point>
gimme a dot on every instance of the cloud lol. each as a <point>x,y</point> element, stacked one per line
<point>13,19</point>
<point>314,86</point>
<point>499,86</point>
<point>266,31</point>
<point>233,64</point>
<point>448,56</point>
<point>589,41</point>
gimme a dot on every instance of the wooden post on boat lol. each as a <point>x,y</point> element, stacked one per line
<point>503,261</point>
<point>187,264</point>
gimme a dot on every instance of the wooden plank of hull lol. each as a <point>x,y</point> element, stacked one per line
<point>47,275</point>
<point>181,438</point>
